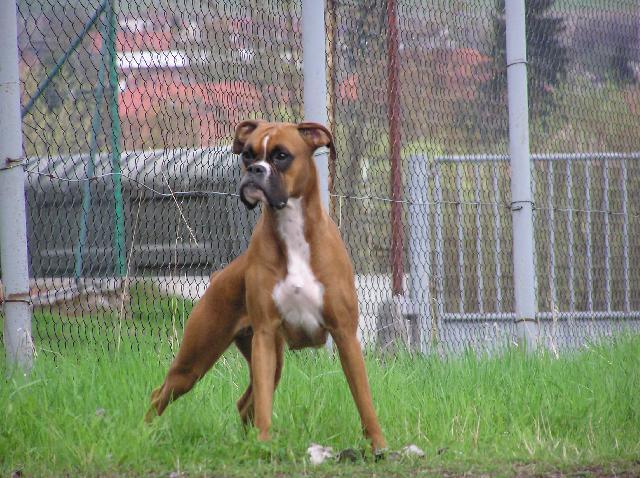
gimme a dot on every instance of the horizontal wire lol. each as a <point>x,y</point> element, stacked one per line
<point>480,203</point>
<point>415,203</point>
<point>169,194</point>
<point>341,196</point>
<point>600,211</point>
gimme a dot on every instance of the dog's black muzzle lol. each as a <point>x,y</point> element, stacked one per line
<point>258,184</point>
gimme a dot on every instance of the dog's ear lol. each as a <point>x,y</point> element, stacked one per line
<point>316,135</point>
<point>243,130</point>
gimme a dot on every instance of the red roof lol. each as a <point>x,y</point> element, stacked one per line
<point>348,88</point>
<point>230,95</point>
<point>465,63</point>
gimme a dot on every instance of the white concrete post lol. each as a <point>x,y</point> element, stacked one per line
<point>521,191</point>
<point>13,225</point>
<point>314,70</point>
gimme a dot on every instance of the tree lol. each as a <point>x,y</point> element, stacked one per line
<point>546,58</point>
<point>60,121</point>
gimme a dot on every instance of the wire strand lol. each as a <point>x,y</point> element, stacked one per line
<point>339,196</point>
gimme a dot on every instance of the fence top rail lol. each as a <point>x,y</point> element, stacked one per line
<point>543,316</point>
<point>538,157</point>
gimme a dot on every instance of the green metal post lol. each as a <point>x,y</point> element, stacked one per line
<point>98,94</point>
<point>62,60</point>
<point>116,133</point>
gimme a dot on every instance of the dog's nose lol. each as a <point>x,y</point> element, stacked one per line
<point>257,169</point>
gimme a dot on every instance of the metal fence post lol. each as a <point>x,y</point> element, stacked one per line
<point>393,120</point>
<point>314,70</point>
<point>521,193</point>
<point>96,121</point>
<point>13,222</point>
<point>116,133</point>
<point>419,245</point>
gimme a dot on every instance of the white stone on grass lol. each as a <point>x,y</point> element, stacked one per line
<point>412,450</point>
<point>318,454</point>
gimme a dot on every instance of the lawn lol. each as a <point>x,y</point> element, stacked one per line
<point>80,413</point>
<point>150,320</point>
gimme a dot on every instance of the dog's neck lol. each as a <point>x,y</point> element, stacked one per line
<point>305,209</point>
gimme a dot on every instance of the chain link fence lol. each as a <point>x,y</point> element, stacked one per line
<point>128,113</point>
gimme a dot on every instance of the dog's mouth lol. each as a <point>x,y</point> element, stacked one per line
<point>252,193</point>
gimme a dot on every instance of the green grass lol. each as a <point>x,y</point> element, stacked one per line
<point>81,414</point>
<point>150,320</point>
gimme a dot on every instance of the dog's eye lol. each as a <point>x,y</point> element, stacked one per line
<point>246,157</point>
<point>281,156</point>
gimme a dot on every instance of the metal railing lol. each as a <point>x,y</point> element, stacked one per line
<point>461,266</point>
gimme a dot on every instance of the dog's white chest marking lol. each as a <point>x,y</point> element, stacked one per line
<point>299,295</point>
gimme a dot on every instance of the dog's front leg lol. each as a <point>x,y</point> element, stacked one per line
<point>356,374</point>
<point>246,402</point>
<point>266,344</point>
<point>342,321</point>
<point>266,353</point>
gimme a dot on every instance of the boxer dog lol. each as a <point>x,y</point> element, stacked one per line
<point>293,284</point>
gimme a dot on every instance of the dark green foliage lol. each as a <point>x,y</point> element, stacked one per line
<point>547,63</point>
<point>621,62</point>
<point>368,32</point>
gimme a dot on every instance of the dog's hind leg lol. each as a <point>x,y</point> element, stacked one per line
<point>209,331</point>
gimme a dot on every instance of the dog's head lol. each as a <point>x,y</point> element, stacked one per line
<point>277,160</point>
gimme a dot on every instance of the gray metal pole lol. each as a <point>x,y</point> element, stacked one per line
<point>314,72</point>
<point>314,60</point>
<point>521,193</point>
<point>13,223</point>
<point>420,249</point>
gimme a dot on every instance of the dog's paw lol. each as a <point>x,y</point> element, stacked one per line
<point>350,455</point>
<point>380,453</point>
<point>150,415</point>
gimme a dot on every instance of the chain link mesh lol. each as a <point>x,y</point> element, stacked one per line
<point>586,171</point>
<point>129,110</point>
